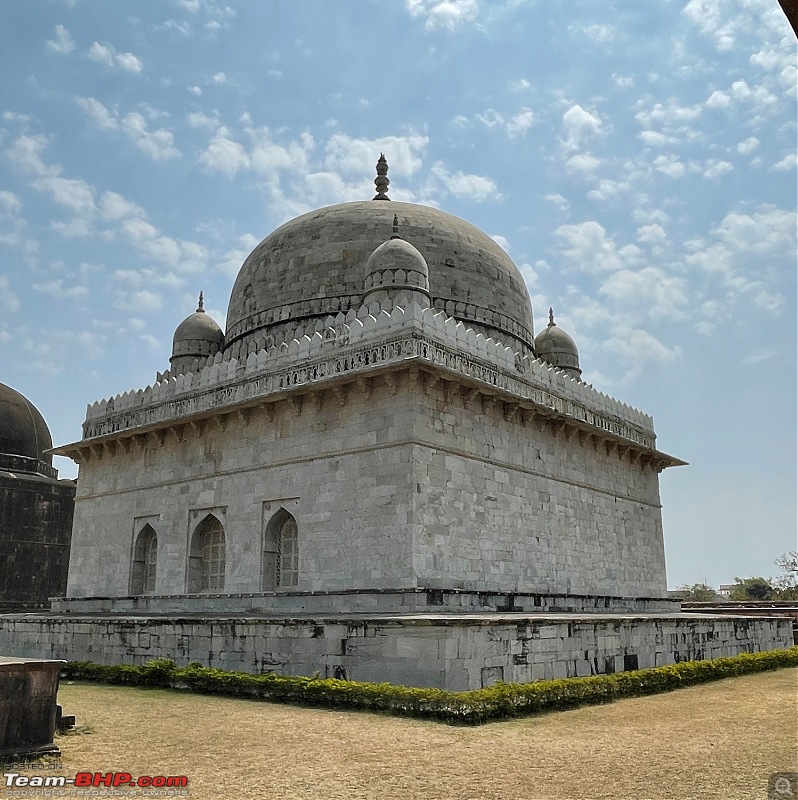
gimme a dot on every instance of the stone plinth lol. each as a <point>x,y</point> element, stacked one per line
<point>28,690</point>
<point>447,651</point>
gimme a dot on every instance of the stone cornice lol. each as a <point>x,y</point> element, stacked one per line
<point>357,346</point>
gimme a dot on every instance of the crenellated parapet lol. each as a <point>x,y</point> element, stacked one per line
<point>376,338</point>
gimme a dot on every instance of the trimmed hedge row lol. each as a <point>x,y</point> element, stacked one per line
<point>500,701</point>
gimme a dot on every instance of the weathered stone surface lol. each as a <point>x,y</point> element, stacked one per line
<point>28,690</point>
<point>455,652</point>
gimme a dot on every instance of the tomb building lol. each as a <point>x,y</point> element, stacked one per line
<point>35,509</point>
<point>376,471</point>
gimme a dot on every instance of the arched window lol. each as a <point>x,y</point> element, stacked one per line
<point>280,563</point>
<point>206,566</point>
<point>145,562</point>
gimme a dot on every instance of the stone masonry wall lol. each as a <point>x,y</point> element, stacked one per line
<point>505,503</point>
<point>396,481</point>
<point>449,653</point>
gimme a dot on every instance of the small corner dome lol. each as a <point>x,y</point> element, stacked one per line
<point>23,431</point>
<point>197,337</point>
<point>554,346</point>
<point>199,326</point>
<point>396,254</point>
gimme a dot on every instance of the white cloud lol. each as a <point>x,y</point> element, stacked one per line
<point>26,153</point>
<point>635,348</point>
<point>71,193</point>
<point>600,33</point>
<point>56,288</point>
<point>9,203</point>
<point>520,122</point>
<point>350,156</point>
<point>443,14</point>
<point>233,259</point>
<point>582,163</point>
<point>715,168</point>
<point>608,189</point>
<point>201,120</point>
<point>463,186</point>
<point>789,162</point>
<point>225,155</point>
<point>519,85</point>
<point>7,297</point>
<point>63,42</point>
<point>502,242</point>
<point>158,144</point>
<point>219,78</point>
<point>748,146</point>
<point>114,207</point>
<point>558,200</point>
<point>100,115</point>
<point>669,165</point>
<point>651,234</point>
<point>648,292</point>
<point>579,125</point>
<point>655,139</point>
<point>587,246</point>
<point>107,55</point>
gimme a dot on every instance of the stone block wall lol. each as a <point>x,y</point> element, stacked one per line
<point>448,652</point>
<point>397,481</point>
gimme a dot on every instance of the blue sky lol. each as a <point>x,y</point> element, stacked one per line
<point>636,160</point>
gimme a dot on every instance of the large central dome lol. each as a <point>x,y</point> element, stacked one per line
<point>315,264</point>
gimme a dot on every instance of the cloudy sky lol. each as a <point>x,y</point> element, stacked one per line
<point>637,161</point>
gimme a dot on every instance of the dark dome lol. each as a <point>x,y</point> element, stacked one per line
<point>23,431</point>
<point>315,265</point>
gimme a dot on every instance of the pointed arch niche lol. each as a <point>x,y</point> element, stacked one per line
<point>143,568</point>
<point>280,557</point>
<point>207,561</point>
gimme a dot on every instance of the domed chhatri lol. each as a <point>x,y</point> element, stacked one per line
<point>396,271</point>
<point>197,337</point>
<point>554,346</point>
<point>24,435</point>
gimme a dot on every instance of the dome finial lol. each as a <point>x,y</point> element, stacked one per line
<point>551,316</point>
<point>201,304</point>
<point>395,233</point>
<point>382,180</point>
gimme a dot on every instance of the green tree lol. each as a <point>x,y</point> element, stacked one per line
<point>698,593</point>
<point>752,589</point>
<point>786,585</point>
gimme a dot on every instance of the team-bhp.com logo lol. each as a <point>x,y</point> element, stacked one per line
<point>115,780</point>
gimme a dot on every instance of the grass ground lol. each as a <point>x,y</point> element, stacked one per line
<point>719,740</point>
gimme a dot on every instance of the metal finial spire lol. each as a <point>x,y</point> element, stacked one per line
<point>395,234</point>
<point>201,305</point>
<point>551,316</point>
<point>382,181</point>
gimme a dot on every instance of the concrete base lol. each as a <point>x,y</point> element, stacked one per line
<point>448,651</point>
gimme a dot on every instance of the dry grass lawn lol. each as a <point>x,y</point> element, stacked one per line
<point>720,740</point>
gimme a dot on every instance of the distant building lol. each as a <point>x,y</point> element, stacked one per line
<point>35,509</point>
<point>725,589</point>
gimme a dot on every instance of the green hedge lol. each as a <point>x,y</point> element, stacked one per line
<point>501,701</point>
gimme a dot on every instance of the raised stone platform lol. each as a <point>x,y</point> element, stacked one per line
<point>446,650</point>
<point>385,601</point>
